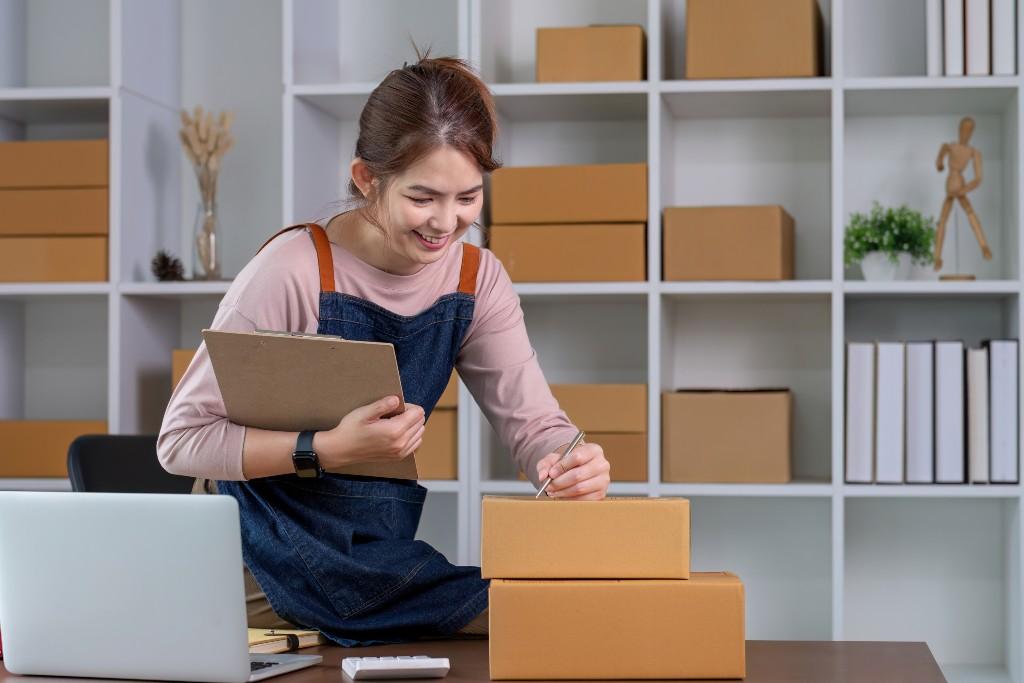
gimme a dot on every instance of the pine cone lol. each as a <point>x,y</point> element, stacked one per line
<point>166,267</point>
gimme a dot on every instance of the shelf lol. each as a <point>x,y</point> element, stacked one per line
<point>175,290</point>
<point>543,289</point>
<point>441,485</point>
<point>788,288</point>
<point>341,102</point>
<point>748,103</point>
<point>1009,491</point>
<point>56,105</point>
<point>555,102</point>
<point>929,97</point>
<point>795,489</point>
<point>742,85</point>
<point>933,288</point>
<point>35,484</point>
<point>930,83</point>
<point>31,290</point>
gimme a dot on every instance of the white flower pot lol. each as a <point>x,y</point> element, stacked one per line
<point>877,267</point>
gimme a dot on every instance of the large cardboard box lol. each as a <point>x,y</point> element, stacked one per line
<point>591,53</point>
<point>39,448</point>
<point>450,396</point>
<point>601,252</point>
<point>619,538</point>
<point>728,243</point>
<point>437,457</point>
<point>595,193</point>
<point>64,211</point>
<point>180,360</point>
<point>54,163</point>
<point>53,259</point>
<point>618,629</point>
<point>753,39</point>
<point>726,436</point>
<point>614,416</point>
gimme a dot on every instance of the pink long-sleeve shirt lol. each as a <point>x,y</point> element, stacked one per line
<point>279,290</point>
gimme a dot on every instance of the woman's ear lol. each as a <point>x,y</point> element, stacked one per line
<point>362,177</point>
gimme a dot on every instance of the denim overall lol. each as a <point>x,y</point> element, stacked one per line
<point>338,554</point>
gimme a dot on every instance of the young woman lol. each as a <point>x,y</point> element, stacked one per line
<point>337,552</point>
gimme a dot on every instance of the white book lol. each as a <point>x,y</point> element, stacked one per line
<point>976,30</point>
<point>933,36</point>
<point>860,411</point>
<point>1004,33</point>
<point>953,36</point>
<point>977,415</point>
<point>949,412</point>
<point>889,412</point>
<point>920,413</point>
<point>1003,411</point>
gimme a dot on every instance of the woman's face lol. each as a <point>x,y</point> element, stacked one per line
<point>432,204</point>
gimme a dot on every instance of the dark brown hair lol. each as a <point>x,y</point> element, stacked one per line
<point>438,101</point>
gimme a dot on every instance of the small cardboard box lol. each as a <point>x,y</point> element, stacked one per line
<point>604,407</point>
<point>726,436</point>
<point>591,53</point>
<point>39,448</point>
<point>180,359</point>
<point>65,211</point>
<point>54,163</point>
<point>53,259</point>
<point>621,538</point>
<point>602,252</point>
<point>728,243</point>
<point>437,457</point>
<point>450,397</point>
<point>618,629</point>
<point>594,193</point>
<point>753,39</point>
<point>626,452</point>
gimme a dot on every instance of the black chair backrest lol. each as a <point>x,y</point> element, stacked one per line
<point>121,463</point>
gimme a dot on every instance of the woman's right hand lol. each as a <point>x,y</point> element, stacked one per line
<point>365,435</point>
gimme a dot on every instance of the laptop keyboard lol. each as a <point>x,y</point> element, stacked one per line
<point>257,666</point>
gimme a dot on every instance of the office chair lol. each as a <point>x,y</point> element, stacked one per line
<point>121,463</point>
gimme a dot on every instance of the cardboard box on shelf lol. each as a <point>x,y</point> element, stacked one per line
<point>610,629</point>
<point>619,538</point>
<point>585,193</point>
<point>604,407</point>
<point>728,243</point>
<point>626,452</point>
<point>450,397</point>
<point>726,436</point>
<point>437,457</point>
<point>54,163</point>
<point>63,211</point>
<point>753,39</point>
<point>39,448</point>
<point>53,259</point>
<point>591,53</point>
<point>601,252</point>
<point>180,359</point>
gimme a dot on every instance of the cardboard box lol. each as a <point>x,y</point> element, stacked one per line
<point>54,163</point>
<point>591,53</point>
<point>618,629</point>
<point>437,457</point>
<point>596,193</point>
<point>450,397</point>
<point>53,259</point>
<point>180,359</point>
<point>753,39</point>
<point>626,452</point>
<point>728,243</point>
<point>726,436</point>
<point>601,252</point>
<point>620,538</point>
<point>76,211</point>
<point>39,448</point>
<point>604,407</point>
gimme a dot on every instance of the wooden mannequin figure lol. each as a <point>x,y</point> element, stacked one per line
<point>960,155</point>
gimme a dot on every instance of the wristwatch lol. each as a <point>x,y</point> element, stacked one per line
<point>307,464</point>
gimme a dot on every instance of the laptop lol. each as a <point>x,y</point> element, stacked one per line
<point>127,585</point>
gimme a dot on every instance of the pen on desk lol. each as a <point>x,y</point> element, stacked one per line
<point>564,458</point>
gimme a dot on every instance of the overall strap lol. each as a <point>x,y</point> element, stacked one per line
<point>324,258</point>
<point>470,266</point>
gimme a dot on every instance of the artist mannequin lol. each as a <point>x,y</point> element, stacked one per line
<point>960,155</point>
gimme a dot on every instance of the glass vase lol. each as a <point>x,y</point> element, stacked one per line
<point>206,246</point>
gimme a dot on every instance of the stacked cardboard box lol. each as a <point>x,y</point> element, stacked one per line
<point>570,223</point>
<point>576,584</point>
<point>591,53</point>
<point>39,448</point>
<point>54,211</point>
<point>180,360</point>
<point>437,457</point>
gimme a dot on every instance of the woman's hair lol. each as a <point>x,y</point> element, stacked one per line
<point>436,102</point>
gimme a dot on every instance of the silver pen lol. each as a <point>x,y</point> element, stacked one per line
<point>564,458</point>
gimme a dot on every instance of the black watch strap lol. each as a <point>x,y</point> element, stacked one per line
<point>305,459</point>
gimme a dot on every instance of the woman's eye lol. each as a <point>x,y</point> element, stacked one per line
<point>468,200</point>
<point>419,201</point>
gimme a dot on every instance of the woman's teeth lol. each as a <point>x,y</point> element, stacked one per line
<point>432,240</point>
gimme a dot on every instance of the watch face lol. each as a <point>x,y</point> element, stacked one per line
<point>306,464</point>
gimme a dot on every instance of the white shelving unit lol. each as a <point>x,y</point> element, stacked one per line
<point>821,559</point>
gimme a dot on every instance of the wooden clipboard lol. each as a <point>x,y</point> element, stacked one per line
<point>287,381</point>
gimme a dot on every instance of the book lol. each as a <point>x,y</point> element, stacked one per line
<point>263,641</point>
<point>933,36</point>
<point>920,448</point>
<point>889,412</point>
<point>1004,34</point>
<point>949,412</point>
<point>860,412</point>
<point>953,36</point>
<point>977,415</point>
<point>976,37</point>
<point>1004,428</point>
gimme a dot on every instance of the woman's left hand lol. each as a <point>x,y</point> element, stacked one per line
<point>584,477</point>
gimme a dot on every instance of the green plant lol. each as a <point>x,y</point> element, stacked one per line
<point>889,231</point>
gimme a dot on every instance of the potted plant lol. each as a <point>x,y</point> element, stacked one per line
<point>887,241</point>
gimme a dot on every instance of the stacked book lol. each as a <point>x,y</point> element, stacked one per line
<point>971,37</point>
<point>924,412</point>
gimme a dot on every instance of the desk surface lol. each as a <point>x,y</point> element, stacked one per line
<point>774,661</point>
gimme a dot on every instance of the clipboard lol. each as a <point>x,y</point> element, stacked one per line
<point>287,381</point>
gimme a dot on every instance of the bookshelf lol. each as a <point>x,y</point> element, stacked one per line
<point>821,559</point>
